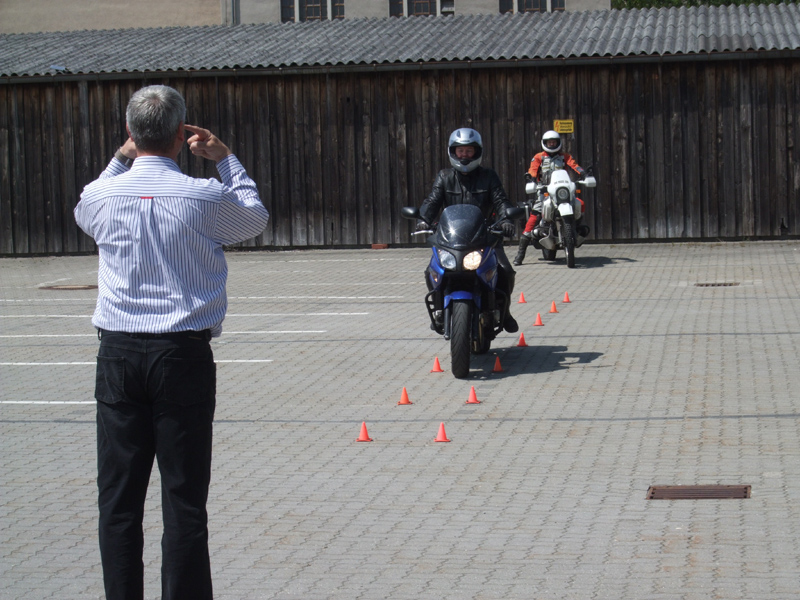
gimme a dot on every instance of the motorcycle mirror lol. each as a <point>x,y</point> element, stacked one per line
<point>410,212</point>
<point>515,213</point>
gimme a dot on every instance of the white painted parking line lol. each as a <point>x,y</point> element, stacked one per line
<point>318,260</point>
<point>255,360</point>
<point>45,316</point>
<point>315,297</point>
<point>75,300</point>
<point>50,335</point>
<point>47,402</point>
<point>271,332</point>
<point>85,300</point>
<point>42,364</point>
<point>56,364</point>
<point>370,283</point>
<point>94,335</point>
<point>319,314</point>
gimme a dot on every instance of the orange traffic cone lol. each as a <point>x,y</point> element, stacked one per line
<point>473,398</point>
<point>521,343</point>
<point>364,437</point>
<point>442,436</point>
<point>566,298</point>
<point>553,308</point>
<point>538,322</point>
<point>521,299</point>
<point>497,366</point>
<point>404,398</point>
<point>437,368</point>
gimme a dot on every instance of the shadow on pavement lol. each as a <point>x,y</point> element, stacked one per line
<point>530,359</point>
<point>582,262</point>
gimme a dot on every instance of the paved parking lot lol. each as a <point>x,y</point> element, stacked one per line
<point>644,378</point>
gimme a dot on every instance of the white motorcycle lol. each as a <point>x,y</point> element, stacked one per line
<point>559,227</point>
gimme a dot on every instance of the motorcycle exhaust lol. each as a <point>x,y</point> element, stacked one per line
<point>548,242</point>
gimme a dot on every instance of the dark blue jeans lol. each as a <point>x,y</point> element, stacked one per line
<point>155,399</point>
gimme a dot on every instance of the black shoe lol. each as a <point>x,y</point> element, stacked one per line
<point>517,260</point>
<point>510,324</point>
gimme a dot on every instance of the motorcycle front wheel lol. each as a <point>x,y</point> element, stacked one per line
<point>460,328</point>
<point>568,233</point>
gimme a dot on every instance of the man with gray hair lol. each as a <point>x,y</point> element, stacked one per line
<point>161,298</point>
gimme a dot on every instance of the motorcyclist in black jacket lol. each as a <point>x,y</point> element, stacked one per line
<point>469,183</point>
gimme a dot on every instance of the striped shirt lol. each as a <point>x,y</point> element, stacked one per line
<point>159,235</point>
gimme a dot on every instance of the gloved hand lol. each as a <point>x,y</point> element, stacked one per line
<point>528,177</point>
<point>508,228</point>
<point>422,226</point>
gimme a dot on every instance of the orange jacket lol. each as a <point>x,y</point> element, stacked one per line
<point>536,163</point>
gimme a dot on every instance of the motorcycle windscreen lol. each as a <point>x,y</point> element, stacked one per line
<point>560,177</point>
<point>461,226</point>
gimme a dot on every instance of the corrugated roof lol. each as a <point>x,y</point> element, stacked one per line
<point>530,36</point>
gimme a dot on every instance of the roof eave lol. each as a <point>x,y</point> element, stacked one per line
<point>408,66</point>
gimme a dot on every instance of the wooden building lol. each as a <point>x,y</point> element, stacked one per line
<point>689,117</point>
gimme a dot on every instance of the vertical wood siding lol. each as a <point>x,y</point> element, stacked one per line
<point>691,150</point>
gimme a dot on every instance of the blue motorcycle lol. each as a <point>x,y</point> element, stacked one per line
<point>463,302</point>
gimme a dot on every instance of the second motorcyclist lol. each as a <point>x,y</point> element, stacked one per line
<point>542,164</point>
<point>467,182</point>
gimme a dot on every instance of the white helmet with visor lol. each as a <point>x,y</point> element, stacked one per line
<point>465,137</point>
<point>551,142</point>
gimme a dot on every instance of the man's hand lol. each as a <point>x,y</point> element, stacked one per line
<point>206,144</point>
<point>508,228</point>
<point>422,226</point>
<point>128,149</point>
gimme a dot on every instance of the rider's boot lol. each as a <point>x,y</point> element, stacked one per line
<point>524,242</point>
<point>510,323</point>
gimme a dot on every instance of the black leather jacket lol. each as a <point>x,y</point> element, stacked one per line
<point>480,187</point>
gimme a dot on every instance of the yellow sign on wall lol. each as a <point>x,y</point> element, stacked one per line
<point>564,126</point>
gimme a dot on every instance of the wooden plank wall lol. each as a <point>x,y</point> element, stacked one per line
<point>689,150</point>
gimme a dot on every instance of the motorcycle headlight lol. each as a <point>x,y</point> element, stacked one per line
<point>448,260</point>
<point>472,260</point>
<point>562,194</point>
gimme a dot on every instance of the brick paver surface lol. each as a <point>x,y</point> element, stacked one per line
<point>643,379</point>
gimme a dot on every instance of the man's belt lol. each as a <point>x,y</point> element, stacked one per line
<point>204,335</point>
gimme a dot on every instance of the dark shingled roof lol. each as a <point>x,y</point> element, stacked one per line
<point>665,32</point>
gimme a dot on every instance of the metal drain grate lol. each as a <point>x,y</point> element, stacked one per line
<point>68,288</point>
<point>697,492</point>
<point>719,284</point>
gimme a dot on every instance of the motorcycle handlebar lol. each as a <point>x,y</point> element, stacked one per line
<point>498,232</point>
